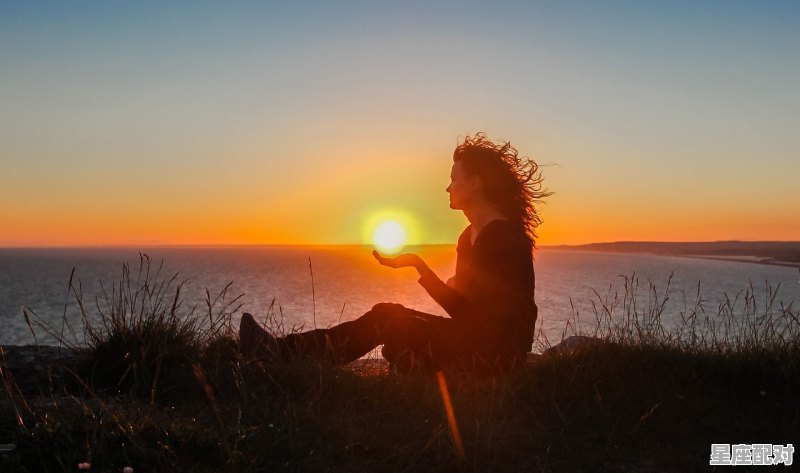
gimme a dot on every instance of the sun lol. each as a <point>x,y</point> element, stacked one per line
<point>390,229</point>
<point>389,236</point>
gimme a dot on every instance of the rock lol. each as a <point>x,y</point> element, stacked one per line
<point>31,369</point>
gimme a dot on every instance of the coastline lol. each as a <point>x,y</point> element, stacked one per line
<point>744,259</point>
<point>772,253</point>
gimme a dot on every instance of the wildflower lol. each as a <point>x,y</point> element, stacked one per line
<point>84,465</point>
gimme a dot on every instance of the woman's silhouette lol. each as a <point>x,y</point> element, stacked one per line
<point>489,299</point>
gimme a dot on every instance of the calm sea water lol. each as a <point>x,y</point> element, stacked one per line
<point>347,281</point>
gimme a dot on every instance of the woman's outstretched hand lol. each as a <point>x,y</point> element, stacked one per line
<point>399,261</point>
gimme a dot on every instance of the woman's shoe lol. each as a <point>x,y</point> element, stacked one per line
<point>255,342</point>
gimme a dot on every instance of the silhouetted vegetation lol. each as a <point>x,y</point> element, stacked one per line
<point>159,386</point>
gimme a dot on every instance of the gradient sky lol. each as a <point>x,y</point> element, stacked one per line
<point>205,123</point>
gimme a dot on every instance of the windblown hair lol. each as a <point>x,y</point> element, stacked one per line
<point>511,183</point>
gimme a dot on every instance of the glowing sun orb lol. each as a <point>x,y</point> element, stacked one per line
<point>389,236</point>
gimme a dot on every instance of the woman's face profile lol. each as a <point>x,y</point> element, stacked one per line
<point>461,186</point>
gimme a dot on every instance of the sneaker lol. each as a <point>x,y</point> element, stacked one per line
<point>254,341</point>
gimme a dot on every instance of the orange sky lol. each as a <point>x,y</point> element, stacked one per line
<point>338,197</point>
<point>134,125</point>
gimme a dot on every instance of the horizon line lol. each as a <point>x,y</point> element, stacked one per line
<point>254,245</point>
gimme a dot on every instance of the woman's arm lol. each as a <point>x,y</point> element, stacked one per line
<point>452,301</point>
<point>451,282</point>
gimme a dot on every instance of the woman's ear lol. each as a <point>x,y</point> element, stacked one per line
<point>475,183</point>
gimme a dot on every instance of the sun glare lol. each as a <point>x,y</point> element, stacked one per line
<point>389,236</point>
<point>390,229</point>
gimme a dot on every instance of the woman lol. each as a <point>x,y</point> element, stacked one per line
<point>489,299</point>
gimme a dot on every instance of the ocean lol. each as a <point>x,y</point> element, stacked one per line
<point>323,285</point>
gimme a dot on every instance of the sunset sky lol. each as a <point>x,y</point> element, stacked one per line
<point>137,123</point>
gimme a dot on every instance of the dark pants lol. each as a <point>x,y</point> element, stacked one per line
<point>411,340</point>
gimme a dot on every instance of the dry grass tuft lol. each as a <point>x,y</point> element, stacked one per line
<point>163,389</point>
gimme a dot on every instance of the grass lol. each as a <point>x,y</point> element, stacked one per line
<point>159,387</point>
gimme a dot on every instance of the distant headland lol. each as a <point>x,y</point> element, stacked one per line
<point>781,253</point>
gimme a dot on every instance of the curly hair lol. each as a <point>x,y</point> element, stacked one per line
<point>512,184</point>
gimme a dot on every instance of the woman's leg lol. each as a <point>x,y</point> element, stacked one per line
<point>401,330</point>
<point>422,342</point>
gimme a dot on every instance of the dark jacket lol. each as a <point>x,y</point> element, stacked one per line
<point>492,301</point>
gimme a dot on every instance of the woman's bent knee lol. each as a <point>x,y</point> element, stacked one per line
<point>388,307</point>
<point>386,317</point>
<point>381,313</point>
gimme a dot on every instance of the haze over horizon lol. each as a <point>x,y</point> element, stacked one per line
<point>137,124</point>
<point>540,246</point>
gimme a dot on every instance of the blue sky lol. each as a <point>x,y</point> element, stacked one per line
<point>132,122</point>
